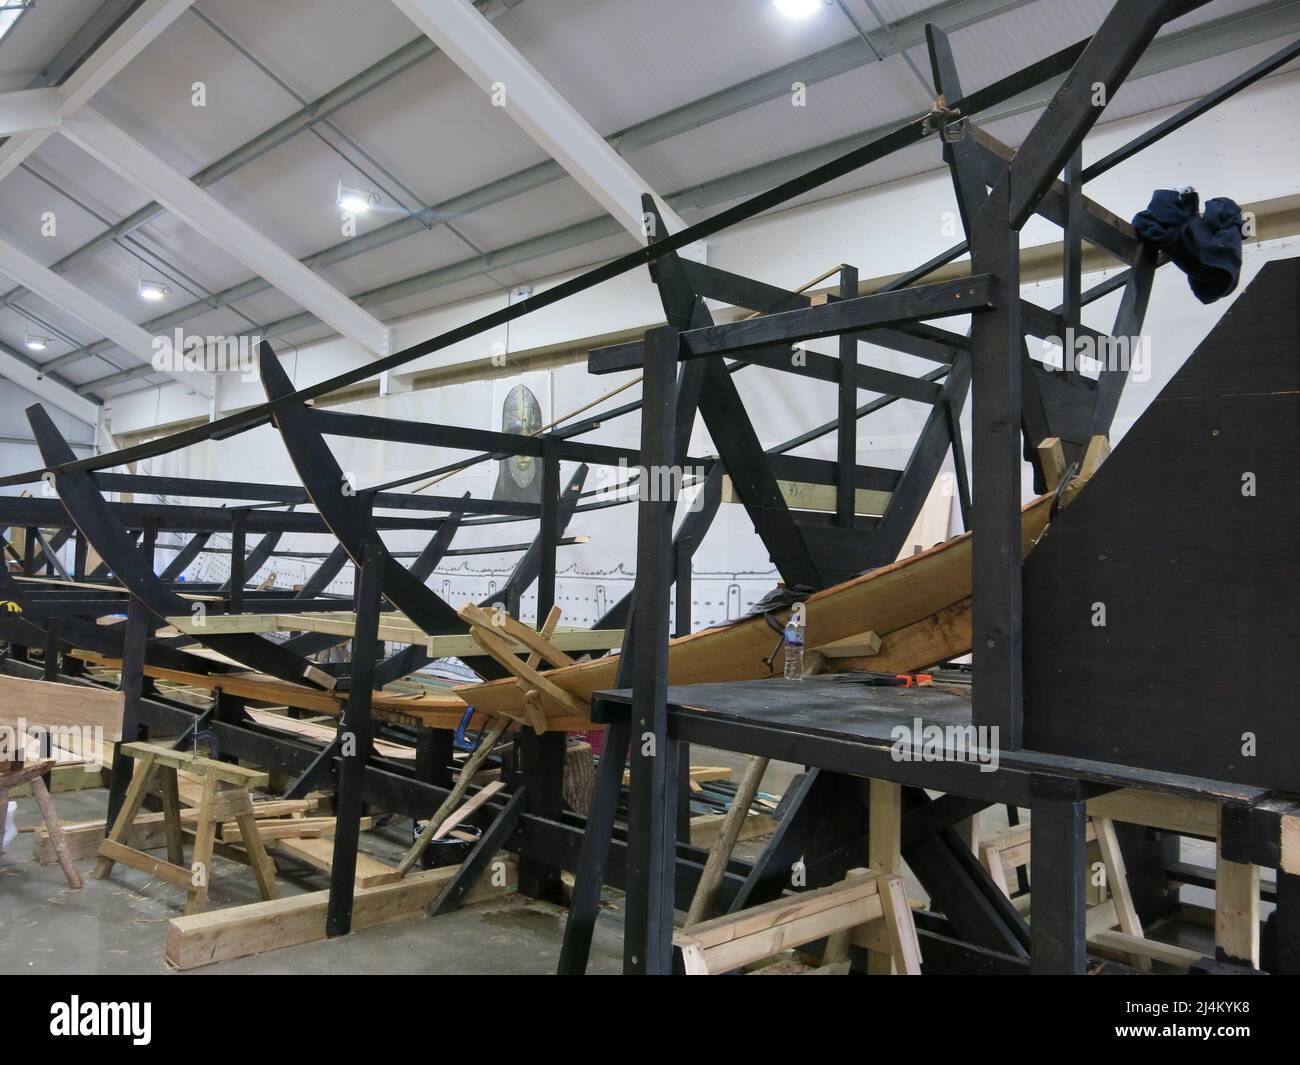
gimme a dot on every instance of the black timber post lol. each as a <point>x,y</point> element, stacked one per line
<point>683,555</point>
<point>238,542</point>
<point>79,556</point>
<point>847,453</point>
<point>72,665</point>
<point>51,664</point>
<point>149,542</point>
<point>683,614</point>
<point>1057,936</point>
<point>997,348</point>
<point>593,853</point>
<point>149,548</point>
<point>138,624</point>
<point>542,757</point>
<point>542,774</point>
<point>356,742</point>
<point>434,749</point>
<point>549,533</point>
<point>229,710</point>
<point>651,830</point>
<point>1072,263</point>
<point>996,340</point>
<point>683,564</point>
<point>1286,921</point>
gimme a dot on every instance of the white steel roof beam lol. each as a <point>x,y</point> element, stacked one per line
<point>62,293</point>
<point>498,68</point>
<point>173,190</point>
<point>25,374</point>
<point>21,112</point>
<point>137,31</point>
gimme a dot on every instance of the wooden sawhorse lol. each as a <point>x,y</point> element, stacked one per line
<point>225,797</point>
<point>868,909</point>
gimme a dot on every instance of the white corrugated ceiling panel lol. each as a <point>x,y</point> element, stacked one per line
<point>151,99</point>
<point>432,127</point>
<point>619,62</point>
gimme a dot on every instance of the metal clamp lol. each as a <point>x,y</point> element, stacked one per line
<point>949,122</point>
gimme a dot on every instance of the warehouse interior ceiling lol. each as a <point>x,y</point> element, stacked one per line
<point>272,107</point>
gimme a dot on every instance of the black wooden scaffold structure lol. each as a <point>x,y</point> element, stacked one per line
<point>689,367</point>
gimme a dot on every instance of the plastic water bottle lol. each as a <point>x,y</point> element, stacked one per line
<point>794,630</point>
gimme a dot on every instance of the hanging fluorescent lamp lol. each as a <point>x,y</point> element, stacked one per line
<point>33,342</point>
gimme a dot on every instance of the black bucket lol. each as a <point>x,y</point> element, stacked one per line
<point>449,850</point>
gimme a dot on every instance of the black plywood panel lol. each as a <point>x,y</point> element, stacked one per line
<point>1200,582</point>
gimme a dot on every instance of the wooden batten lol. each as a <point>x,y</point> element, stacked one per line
<point>224,935</point>
<point>801,495</point>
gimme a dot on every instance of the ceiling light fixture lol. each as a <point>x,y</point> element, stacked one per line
<point>33,342</point>
<point>153,290</point>
<point>356,201</point>
<point>797,9</point>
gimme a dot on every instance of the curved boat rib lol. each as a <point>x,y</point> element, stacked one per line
<point>91,513</point>
<point>348,515</point>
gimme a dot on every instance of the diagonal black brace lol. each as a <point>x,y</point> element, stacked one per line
<point>318,770</point>
<point>706,384</point>
<point>593,856</point>
<point>961,887</point>
<point>187,554</point>
<point>476,863</point>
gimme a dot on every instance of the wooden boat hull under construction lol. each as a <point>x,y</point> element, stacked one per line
<point>918,606</point>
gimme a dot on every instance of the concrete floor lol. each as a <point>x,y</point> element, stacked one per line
<point>119,925</point>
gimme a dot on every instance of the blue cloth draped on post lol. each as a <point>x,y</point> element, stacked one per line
<point>1206,247</point>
